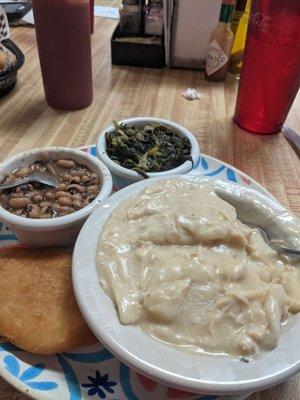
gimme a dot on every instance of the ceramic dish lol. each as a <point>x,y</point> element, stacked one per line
<point>123,176</point>
<point>56,231</point>
<point>68,376</point>
<point>206,374</point>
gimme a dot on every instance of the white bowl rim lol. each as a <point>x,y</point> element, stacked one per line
<point>130,174</point>
<point>123,341</point>
<point>66,220</point>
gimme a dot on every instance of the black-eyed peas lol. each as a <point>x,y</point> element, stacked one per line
<point>21,172</point>
<point>37,198</point>
<point>78,186</point>
<point>77,196</point>
<point>45,203</point>
<point>62,186</point>
<point>76,180</point>
<point>65,201</point>
<point>49,195</point>
<point>85,179</point>
<point>67,164</point>
<point>66,177</point>
<point>19,202</point>
<point>60,193</point>
<point>34,211</point>
<point>77,204</point>
<point>92,188</point>
<point>75,188</point>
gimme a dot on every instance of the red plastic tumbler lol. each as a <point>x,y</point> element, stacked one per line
<point>270,76</point>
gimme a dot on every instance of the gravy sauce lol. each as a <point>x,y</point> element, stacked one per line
<point>178,264</point>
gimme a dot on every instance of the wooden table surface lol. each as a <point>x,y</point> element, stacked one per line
<point>119,92</point>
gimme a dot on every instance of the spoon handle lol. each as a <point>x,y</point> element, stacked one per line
<point>293,138</point>
<point>10,185</point>
<point>288,252</point>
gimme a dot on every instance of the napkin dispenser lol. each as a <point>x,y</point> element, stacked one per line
<point>192,24</point>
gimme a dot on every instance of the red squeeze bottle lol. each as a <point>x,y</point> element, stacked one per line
<point>64,44</point>
<point>92,3</point>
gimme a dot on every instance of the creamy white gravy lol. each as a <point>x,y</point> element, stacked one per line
<point>177,263</point>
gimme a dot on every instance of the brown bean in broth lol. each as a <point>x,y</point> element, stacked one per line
<point>33,211</point>
<point>19,202</point>
<point>76,180</point>
<point>77,188</point>
<point>37,198</point>
<point>65,201</point>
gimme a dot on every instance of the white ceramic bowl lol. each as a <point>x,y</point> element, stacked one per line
<point>207,374</point>
<point>123,176</point>
<point>59,231</point>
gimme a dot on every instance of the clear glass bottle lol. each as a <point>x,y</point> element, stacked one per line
<point>220,45</point>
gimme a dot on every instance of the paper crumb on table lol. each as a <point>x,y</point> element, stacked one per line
<point>191,94</point>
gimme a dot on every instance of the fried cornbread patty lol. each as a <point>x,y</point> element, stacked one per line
<point>38,310</point>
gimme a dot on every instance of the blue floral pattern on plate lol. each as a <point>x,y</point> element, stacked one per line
<point>94,372</point>
<point>99,385</point>
<point>12,365</point>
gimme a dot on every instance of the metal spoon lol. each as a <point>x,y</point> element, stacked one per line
<point>39,177</point>
<point>256,211</point>
<point>293,253</point>
<point>293,137</point>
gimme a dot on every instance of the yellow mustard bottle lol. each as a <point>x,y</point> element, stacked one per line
<point>236,58</point>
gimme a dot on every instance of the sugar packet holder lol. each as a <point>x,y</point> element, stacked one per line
<point>4,26</point>
<point>4,34</point>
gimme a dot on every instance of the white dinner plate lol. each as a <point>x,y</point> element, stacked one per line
<point>211,374</point>
<point>85,374</point>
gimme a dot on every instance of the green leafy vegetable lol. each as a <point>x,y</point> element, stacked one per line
<point>153,148</point>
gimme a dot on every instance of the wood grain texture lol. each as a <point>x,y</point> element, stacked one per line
<point>27,122</point>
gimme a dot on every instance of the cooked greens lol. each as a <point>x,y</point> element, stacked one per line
<point>152,148</point>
